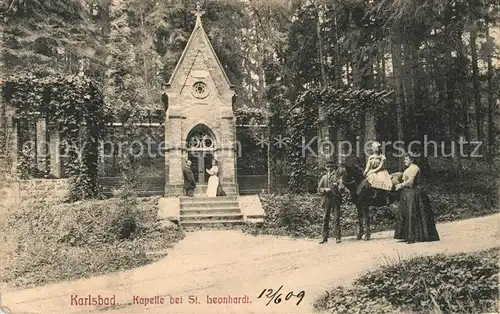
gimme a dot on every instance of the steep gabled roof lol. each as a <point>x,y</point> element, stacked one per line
<point>198,29</point>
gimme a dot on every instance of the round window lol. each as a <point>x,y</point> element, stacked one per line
<point>200,90</point>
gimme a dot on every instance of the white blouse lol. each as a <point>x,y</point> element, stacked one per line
<point>213,171</point>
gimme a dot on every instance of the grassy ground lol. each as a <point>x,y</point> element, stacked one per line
<point>430,284</point>
<point>49,241</point>
<point>453,197</point>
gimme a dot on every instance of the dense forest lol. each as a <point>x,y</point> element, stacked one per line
<point>437,62</point>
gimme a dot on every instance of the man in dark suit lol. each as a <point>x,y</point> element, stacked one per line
<point>328,186</point>
<point>189,182</point>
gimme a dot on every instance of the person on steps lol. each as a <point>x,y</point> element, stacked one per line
<point>189,182</point>
<point>213,181</point>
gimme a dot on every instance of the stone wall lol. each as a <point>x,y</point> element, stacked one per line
<point>12,192</point>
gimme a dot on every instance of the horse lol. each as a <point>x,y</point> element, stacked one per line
<point>364,196</point>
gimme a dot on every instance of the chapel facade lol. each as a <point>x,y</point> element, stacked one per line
<point>199,120</point>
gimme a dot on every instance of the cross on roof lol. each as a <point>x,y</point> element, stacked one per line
<point>198,12</point>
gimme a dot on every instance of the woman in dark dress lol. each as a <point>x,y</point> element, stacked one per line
<point>415,221</point>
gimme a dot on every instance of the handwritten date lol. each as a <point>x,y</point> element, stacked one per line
<point>276,297</point>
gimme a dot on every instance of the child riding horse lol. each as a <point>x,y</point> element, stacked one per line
<point>363,196</point>
<point>376,172</point>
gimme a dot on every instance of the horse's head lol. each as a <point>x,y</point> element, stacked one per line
<point>351,175</point>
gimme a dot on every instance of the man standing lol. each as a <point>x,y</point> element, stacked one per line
<point>328,186</point>
<point>189,183</point>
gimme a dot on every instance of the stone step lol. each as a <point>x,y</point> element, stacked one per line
<point>228,193</point>
<point>211,217</point>
<point>209,205</point>
<point>252,192</point>
<point>206,199</point>
<point>196,211</point>
<point>192,224</point>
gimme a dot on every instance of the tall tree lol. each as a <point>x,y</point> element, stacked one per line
<point>325,126</point>
<point>52,36</point>
<point>397,74</point>
<point>475,83</point>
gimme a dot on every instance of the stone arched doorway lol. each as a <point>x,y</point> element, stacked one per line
<point>201,147</point>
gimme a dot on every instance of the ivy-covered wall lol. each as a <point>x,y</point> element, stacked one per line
<point>71,107</point>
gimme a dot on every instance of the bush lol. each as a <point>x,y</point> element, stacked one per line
<point>70,241</point>
<point>460,283</point>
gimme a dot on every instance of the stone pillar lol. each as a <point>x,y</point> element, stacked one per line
<point>174,151</point>
<point>238,151</point>
<point>228,151</point>
<point>41,144</point>
<point>11,137</point>
<point>54,152</point>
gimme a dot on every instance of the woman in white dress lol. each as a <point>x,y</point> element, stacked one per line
<point>213,181</point>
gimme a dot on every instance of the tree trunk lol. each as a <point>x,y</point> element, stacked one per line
<point>476,85</point>
<point>320,46</point>
<point>324,126</point>
<point>144,54</point>
<point>491,106</point>
<point>104,16</point>
<point>455,82</point>
<point>383,75</point>
<point>369,130</point>
<point>338,54</point>
<point>419,94</point>
<point>408,91</point>
<point>357,83</point>
<point>397,74</point>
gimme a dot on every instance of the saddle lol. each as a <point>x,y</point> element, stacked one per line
<point>364,187</point>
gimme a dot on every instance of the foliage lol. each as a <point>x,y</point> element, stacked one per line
<point>251,133</point>
<point>27,166</point>
<point>64,242</point>
<point>67,103</point>
<point>358,49</point>
<point>302,121</point>
<point>246,115</point>
<point>341,107</point>
<point>50,37</point>
<point>133,64</point>
<point>270,50</point>
<point>459,283</point>
<point>341,300</point>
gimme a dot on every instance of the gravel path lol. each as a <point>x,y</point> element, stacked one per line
<point>222,263</point>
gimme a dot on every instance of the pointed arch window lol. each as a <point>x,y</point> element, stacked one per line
<point>200,139</point>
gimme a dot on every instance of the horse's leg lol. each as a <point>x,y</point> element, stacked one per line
<point>360,209</point>
<point>366,216</point>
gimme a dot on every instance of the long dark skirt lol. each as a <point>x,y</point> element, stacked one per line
<point>415,220</point>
